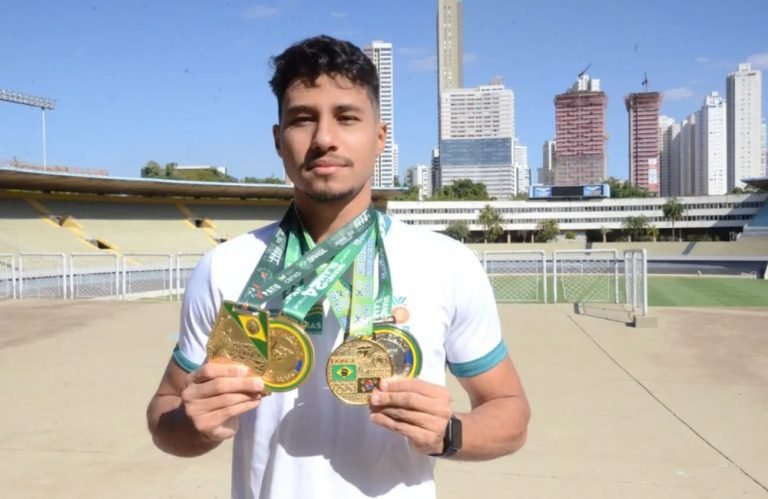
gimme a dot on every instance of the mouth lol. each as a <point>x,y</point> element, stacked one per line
<point>326,166</point>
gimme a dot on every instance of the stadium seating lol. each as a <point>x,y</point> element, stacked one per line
<point>757,228</point>
<point>25,229</point>
<point>228,221</point>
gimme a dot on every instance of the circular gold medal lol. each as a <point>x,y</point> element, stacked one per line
<point>290,355</point>
<point>228,343</point>
<point>355,369</point>
<point>402,348</point>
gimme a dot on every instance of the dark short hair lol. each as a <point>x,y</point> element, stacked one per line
<point>308,59</point>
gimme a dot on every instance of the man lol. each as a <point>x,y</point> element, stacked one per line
<point>305,443</point>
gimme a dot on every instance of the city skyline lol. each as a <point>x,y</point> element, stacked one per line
<point>134,84</point>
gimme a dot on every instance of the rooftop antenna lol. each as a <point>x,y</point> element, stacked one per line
<point>583,71</point>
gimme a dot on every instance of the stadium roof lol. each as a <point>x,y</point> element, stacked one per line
<point>24,179</point>
<point>758,182</point>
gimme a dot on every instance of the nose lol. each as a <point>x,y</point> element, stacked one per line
<point>324,138</point>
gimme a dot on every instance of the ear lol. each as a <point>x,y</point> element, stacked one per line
<point>381,137</point>
<point>276,137</point>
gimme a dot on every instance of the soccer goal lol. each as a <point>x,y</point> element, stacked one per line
<point>584,276</point>
<point>517,276</point>
<point>636,281</point>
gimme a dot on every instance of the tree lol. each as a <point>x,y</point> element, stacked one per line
<point>397,181</point>
<point>412,194</point>
<point>547,230</point>
<point>152,170</point>
<point>462,190</point>
<point>457,230</point>
<point>673,210</point>
<point>490,219</point>
<point>626,189</point>
<point>272,179</point>
<point>636,227</point>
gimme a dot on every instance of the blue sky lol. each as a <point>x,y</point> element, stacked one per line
<point>186,81</point>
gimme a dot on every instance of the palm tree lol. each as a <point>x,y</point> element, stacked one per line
<point>673,210</point>
<point>490,219</point>
<point>547,230</point>
<point>636,227</point>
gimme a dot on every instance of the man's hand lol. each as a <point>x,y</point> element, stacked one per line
<point>415,408</point>
<point>216,394</point>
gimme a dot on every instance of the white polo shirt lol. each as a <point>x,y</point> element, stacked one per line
<point>306,444</point>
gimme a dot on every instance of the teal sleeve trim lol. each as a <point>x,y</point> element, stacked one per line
<point>481,365</point>
<point>182,361</point>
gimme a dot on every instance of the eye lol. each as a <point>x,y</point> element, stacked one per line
<point>301,119</point>
<point>348,118</point>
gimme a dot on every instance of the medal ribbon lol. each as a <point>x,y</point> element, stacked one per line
<point>275,274</point>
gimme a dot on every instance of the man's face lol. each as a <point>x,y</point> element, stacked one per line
<point>329,137</point>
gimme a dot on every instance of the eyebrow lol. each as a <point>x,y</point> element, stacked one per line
<point>342,108</point>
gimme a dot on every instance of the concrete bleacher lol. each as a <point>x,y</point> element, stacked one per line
<point>25,229</point>
<point>134,226</point>
<point>228,221</point>
<point>757,227</point>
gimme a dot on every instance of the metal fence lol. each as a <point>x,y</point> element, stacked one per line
<point>185,263</point>
<point>94,275</point>
<point>517,276</point>
<point>42,275</point>
<point>147,275</point>
<point>7,276</point>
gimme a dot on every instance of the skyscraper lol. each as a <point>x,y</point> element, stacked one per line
<point>547,163</point>
<point>385,169</point>
<point>477,133</point>
<point>671,179</point>
<point>643,110</point>
<point>449,45</point>
<point>522,171</point>
<point>580,134</point>
<point>420,176</point>
<point>744,103</point>
<point>711,177</point>
<point>688,155</point>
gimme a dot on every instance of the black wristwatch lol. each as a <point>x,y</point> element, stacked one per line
<point>452,438</point>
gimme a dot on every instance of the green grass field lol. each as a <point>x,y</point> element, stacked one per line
<point>663,291</point>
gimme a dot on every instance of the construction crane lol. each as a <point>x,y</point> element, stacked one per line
<point>583,71</point>
<point>645,81</point>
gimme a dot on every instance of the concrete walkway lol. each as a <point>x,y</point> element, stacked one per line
<point>678,411</point>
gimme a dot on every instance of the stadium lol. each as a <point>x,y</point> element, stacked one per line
<point>92,268</point>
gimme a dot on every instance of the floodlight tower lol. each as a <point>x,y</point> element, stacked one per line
<point>32,101</point>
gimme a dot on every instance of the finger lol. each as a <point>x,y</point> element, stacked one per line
<point>429,422</point>
<point>221,386</point>
<point>423,440</point>
<point>212,421</point>
<point>402,384</point>
<point>204,406</point>
<point>211,370</point>
<point>411,401</point>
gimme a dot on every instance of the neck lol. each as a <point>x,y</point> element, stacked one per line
<point>322,219</point>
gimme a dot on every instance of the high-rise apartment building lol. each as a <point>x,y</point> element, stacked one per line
<point>385,169</point>
<point>643,110</point>
<point>688,155</point>
<point>671,180</point>
<point>477,130</point>
<point>435,166</point>
<point>522,170</point>
<point>420,176</point>
<point>744,104</point>
<point>580,134</point>
<point>547,163</point>
<point>711,177</point>
<point>449,45</point>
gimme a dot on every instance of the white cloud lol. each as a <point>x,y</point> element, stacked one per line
<point>759,61</point>
<point>428,63</point>
<point>339,15</point>
<point>678,93</point>
<point>703,60</point>
<point>469,57</point>
<point>261,12</point>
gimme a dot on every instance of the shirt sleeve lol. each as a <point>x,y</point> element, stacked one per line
<point>474,343</point>
<point>198,314</point>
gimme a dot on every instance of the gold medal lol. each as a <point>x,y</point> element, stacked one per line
<point>239,336</point>
<point>290,355</point>
<point>355,369</point>
<point>402,348</point>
